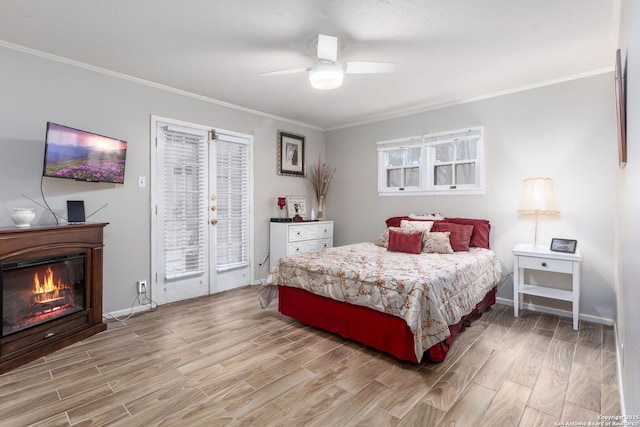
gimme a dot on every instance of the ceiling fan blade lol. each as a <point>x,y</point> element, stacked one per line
<point>327,47</point>
<point>279,72</point>
<point>370,67</point>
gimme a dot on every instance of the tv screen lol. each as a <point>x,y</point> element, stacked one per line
<point>83,156</point>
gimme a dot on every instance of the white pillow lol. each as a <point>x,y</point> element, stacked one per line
<point>435,217</point>
<point>424,226</point>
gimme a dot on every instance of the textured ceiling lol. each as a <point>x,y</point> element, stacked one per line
<point>445,50</point>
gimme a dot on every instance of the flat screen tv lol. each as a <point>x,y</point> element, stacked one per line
<point>83,156</point>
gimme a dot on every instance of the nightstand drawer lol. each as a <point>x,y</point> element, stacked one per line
<point>546,264</point>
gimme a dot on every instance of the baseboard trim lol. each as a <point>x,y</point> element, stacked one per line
<point>128,311</point>
<point>558,312</point>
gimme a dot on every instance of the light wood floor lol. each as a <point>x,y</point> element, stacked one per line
<point>223,361</point>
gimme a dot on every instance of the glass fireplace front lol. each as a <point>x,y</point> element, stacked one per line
<point>35,291</point>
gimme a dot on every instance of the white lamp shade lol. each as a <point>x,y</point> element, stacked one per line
<point>538,198</point>
<point>326,76</point>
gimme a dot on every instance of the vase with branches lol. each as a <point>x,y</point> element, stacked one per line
<point>320,176</point>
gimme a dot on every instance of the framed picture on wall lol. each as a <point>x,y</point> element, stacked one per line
<point>621,111</point>
<point>290,154</point>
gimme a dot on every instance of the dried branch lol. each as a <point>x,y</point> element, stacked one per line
<point>320,176</point>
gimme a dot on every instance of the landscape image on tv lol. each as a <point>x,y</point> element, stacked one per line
<point>83,156</point>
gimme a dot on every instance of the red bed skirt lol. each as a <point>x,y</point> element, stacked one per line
<point>373,328</point>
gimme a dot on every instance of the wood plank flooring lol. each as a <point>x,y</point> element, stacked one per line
<point>223,361</point>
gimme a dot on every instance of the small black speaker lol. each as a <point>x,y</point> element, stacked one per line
<point>75,211</point>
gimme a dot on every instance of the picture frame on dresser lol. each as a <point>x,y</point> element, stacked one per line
<point>291,154</point>
<point>296,205</point>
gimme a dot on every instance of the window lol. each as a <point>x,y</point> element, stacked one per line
<point>443,163</point>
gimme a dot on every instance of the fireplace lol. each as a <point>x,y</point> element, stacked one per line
<point>50,289</point>
<point>36,291</point>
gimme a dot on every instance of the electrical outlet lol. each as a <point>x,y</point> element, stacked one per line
<point>141,286</point>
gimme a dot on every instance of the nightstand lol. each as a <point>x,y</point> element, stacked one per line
<point>529,257</point>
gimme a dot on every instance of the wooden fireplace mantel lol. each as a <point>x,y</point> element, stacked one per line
<point>49,240</point>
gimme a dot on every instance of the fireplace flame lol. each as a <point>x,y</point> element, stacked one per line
<point>48,289</point>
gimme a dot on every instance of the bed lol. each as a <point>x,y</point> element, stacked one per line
<point>410,305</point>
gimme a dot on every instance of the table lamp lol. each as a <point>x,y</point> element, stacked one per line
<point>538,199</point>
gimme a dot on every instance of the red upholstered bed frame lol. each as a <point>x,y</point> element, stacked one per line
<point>373,328</point>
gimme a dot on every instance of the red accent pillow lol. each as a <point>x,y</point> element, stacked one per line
<point>410,243</point>
<point>479,237</point>
<point>394,221</point>
<point>460,234</point>
<point>481,228</point>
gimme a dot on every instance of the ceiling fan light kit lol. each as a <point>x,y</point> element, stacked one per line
<point>326,75</point>
<point>327,72</point>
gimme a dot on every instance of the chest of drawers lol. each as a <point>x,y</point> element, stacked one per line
<point>296,237</point>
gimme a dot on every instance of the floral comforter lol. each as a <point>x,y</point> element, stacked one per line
<point>429,291</point>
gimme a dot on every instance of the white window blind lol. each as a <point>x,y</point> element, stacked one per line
<point>232,182</point>
<point>184,197</point>
<point>448,162</point>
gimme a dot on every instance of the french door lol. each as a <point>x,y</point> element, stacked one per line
<point>201,227</point>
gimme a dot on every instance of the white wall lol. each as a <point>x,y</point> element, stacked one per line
<point>34,90</point>
<point>564,131</point>
<point>627,214</point>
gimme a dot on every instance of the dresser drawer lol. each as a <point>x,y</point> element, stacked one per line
<point>309,245</point>
<point>546,264</point>
<point>310,231</point>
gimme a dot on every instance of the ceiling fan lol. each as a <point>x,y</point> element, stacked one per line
<point>327,72</point>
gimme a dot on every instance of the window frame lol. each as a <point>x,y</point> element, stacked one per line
<point>428,163</point>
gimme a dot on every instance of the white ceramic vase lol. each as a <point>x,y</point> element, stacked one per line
<point>22,217</point>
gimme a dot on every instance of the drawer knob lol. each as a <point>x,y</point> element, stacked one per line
<point>544,264</point>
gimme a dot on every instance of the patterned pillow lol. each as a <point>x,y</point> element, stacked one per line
<point>417,225</point>
<point>383,240</point>
<point>437,243</point>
